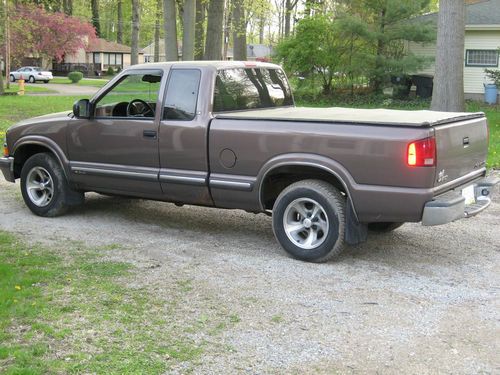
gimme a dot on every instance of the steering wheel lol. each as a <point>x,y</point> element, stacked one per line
<point>132,109</point>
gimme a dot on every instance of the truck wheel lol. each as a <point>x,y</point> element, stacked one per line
<point>44,187</point>
<point>308,220</point>
<point>383,227</point>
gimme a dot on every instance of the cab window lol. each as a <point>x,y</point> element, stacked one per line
<point>134,96</point>
<point>182,94</point>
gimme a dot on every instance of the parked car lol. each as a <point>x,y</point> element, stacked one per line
<point>31,74</point>
<point>228,135</point>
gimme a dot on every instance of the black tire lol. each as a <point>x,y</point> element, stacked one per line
<point>383,227</point>
<point>45,81</point>
<point>314,193</point>
<point>61,196</point>
<point>32,79</point>
<point>12,78</point>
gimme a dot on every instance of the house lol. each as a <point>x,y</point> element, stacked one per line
<point>258,52</point>
<point>100,56</point>
<point>482,43</point>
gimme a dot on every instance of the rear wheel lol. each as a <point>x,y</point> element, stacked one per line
<point>12,78</point>
<point>383,227</point>
<point>45,81</point>
<point>308,220</point>
<point>31,79</point>
<point>44,187</point>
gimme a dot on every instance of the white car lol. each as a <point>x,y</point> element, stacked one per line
<point>31,74</point>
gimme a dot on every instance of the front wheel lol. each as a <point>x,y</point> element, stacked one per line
<point>308,220</point>
<point>44,187</point>
<point>32,79</point>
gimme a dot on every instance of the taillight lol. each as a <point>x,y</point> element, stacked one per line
<point>5,150</point>
<point>422,153</point>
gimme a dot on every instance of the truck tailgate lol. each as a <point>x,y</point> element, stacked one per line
<point>461,148</point>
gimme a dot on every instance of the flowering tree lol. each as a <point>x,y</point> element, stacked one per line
<point>38,33</point>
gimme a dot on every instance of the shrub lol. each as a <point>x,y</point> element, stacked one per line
<point>494,75</point>
<point>75,77</point>
<point>110,71</point>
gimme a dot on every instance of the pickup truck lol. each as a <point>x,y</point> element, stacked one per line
<point>228,135</point>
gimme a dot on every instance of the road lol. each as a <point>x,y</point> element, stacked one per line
<point>65,90</point>
<point>418,300</point>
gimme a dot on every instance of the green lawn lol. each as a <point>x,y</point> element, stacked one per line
<point>69,310</point>
<point>97,82</point>
<point>30,87</point>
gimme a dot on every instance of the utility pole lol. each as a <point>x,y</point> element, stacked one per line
<point>7,45</point>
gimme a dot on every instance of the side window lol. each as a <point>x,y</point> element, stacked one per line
<point>182,94</point>
<point>135,95</point>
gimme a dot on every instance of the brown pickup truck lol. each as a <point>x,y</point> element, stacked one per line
<point>228,135</point>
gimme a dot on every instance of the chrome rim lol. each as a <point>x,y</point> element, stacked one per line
<point>305,223</point>
<point>39,186</point>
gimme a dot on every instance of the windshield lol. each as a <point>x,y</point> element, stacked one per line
<point>247,88</point>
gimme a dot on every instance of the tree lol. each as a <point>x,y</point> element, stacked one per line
<point>157,31</point>
<point>68,7</point>
<point>189,24</point>
<point>289,7</point>
<point>213,43</point>
<point>448,92</point>
<point>170,25</point>
<point>239,31</point>
<point>199,31</point>
<point>134,53</point>
<point>119,21</point>
<point>2,37</point>
<point>95,17</point>
<point>39,33</point>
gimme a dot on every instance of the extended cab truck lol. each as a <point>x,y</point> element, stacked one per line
<point>227,135</point>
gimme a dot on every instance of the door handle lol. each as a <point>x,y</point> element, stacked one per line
<point>149,134</point>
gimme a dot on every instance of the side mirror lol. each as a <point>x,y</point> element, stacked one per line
<point>81,108</point>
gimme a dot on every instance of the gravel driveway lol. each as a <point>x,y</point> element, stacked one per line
<point>419,300</point>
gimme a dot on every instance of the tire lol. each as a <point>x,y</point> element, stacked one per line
<point>324,207</point>
<point>45,81</point>
<point>12,78</point>
<point>53,196</point>
<point>383,227</point>
<point>32,79</point>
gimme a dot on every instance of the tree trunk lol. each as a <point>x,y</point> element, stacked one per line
<point>239,31</point>
<point>262,26</point>
<point>448,92</point>
<point>95,17</point>
<point>156,56</point>
<point>189,22</point>
<point>68,7</point>
<point>169,17</point>
<point>119,29</point>
<point>288,13</point>
<point>228,20</point>
<point>213,44</point>
<point>199,31</point>
<point>134,53</point>
<point>377,79</point>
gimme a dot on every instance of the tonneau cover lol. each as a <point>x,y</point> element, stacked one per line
<point>352,115</point>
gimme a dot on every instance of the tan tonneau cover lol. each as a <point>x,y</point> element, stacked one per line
<point>352,115</point>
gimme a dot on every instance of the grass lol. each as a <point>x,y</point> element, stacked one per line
<point>96,82</point>
<point>14,87</point>
<point>68,310</point>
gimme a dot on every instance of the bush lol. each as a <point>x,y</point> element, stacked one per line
<point>494,75</point>
<point>110,71</point>
<point>75,77</point>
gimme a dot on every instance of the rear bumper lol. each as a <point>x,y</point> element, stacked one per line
<point>452,206</point>
<point>7,167</point>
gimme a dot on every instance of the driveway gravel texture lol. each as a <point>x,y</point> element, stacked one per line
<point>418,300</point>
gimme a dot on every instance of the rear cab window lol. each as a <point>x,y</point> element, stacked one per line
<point>238,89</point>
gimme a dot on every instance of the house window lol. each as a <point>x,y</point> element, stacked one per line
<point>113,59</point>
<point>97,58</point>
<point>481,58</point>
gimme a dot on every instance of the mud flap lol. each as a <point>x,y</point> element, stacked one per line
<point>355,232</point>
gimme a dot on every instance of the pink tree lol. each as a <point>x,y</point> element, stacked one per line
<point>37,33</point>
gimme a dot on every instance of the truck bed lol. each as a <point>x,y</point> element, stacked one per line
<point>353,116</point>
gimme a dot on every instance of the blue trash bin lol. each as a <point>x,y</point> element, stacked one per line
<point>490,93</point>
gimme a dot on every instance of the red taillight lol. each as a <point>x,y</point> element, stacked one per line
<point>422,153</point>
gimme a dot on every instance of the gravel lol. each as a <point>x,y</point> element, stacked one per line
<point>418,300</point>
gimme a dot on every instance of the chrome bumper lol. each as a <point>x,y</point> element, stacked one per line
<point>7,167</point>
<point>451,205</point>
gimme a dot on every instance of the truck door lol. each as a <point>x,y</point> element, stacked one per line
<point>183,136</point>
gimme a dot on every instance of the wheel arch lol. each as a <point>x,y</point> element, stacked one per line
<point>28,146</point>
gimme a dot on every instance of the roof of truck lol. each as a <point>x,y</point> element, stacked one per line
<point>213,64</point>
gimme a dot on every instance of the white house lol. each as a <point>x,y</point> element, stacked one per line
<point>482,43</point>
